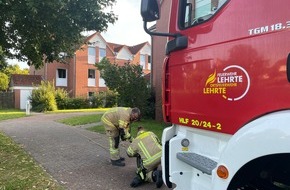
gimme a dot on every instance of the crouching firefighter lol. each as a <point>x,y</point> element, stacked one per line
<point>117,125</point>
<point>147,148</point>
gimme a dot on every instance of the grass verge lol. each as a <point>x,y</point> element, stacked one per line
<point>81,120</point>
<point>11,114</point>
<point>150,125</point>
<point>18,171</point>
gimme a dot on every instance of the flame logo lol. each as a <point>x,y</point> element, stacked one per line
<point>211,78</point>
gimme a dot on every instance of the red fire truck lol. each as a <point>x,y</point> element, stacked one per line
<point>226,91</point>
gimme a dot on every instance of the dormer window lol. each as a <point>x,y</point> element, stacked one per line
<point>102,53</point>
<point>142,61</point>
<point>91,55</point>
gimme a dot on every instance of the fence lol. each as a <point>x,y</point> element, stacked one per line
<point>7,100</point>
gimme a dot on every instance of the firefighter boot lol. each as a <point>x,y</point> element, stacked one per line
<point>117,163</point>
<point>157,178</point>
<point>137,181</point>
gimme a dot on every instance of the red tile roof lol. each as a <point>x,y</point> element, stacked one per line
<point>25,80</point>
<point>115,47</point>
<point>136,48</point>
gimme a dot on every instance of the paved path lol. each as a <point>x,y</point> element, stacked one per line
<point>77,158</point>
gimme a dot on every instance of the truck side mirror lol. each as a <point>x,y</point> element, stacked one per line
<point>150,10</point>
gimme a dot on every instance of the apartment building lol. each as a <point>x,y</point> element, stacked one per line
<point>80,77</point>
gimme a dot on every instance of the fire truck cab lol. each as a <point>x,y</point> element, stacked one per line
<point>226,91</point>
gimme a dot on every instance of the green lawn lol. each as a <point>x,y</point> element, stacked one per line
<point>11,114</point>
<point>95,110</point>
<point>81,120</point>
<point>150,125</point>
<point>18,171</point>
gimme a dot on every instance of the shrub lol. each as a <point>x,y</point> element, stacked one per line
<point>108,98</point>
<point>43,99</point>
<point>95,101</point>
<point>77,103</point>
<point>61,97</point>
<point>103,99</point>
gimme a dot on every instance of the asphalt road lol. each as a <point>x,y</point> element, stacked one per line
<point>77,158</point>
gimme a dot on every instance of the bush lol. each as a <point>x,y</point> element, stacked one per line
<point>109,99</point>
<point>77,103</point>
<point>43,99</point>
<point>103,99</point>
<point>61,97</point>
<point>95,101</point>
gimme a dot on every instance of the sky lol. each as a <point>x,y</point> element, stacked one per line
<point>127,30</point>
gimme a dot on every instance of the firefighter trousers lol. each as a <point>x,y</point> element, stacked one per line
<point>114,140</point>
<point>144,173</point>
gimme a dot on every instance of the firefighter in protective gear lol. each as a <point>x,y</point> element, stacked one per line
<point>147,148</point>
<point>117,125</point>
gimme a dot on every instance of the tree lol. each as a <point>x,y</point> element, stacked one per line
<point>4,82</point>
<point>41,30</point>
<point>15,69</point>
<point>3,63</point>
<point>6,73</point>
<point>127,81</point>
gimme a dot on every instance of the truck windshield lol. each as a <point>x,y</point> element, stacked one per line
<point>194,12</point>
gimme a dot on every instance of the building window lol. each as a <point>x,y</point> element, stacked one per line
<point>91,74</point>
<point>61,73</point>
<point>102,53</point>
<point>91,77</point>
<point>142,61</point>
<point>102,82</point>
<point>149,62</point>
<point>61,77</point>
<point>91,55</point>
<point>91,94</point>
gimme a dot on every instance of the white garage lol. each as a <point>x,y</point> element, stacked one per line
<point>22,86</point>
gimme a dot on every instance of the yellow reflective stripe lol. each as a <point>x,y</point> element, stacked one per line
<point>141,175</point>
<point>114,151</point>
<point>156,142</point>
<point>143,135</point>
<point>130,151</point>
<point>123,123</point>
<point>107,121</point>
<point>112,148</point>
<point>144,150</point>
<point>111,142</point>
<point>152,159</point>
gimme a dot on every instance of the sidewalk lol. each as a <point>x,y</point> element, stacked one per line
<point>77,158</point>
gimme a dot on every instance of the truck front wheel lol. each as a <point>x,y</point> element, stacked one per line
<point>265,173</point>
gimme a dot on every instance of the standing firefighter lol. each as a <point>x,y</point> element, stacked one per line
<point>147,148</point>
<point>117,125</point>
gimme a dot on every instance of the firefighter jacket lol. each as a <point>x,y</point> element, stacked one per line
<point>118,117</point>
<point>148,147</point>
